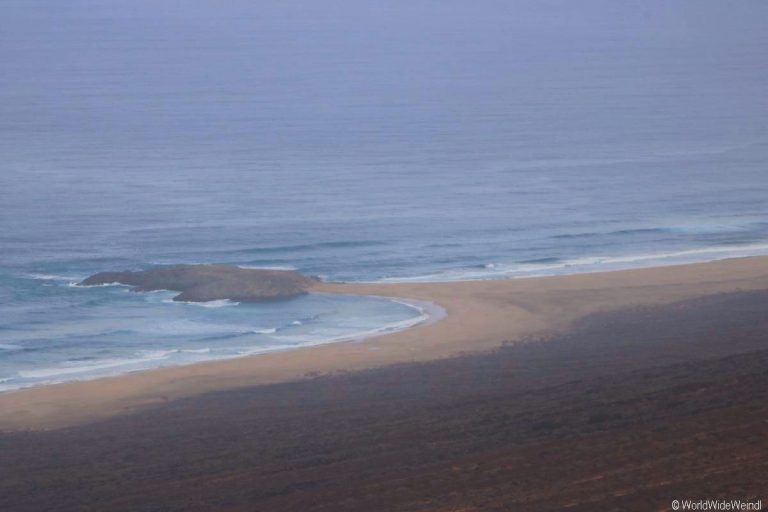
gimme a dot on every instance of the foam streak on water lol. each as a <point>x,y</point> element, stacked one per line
<point>123,333</point>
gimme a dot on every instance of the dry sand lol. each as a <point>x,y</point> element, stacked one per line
<point>481,315</point>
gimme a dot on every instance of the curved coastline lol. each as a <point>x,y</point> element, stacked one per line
<point>479,316</point>
<point>428,313</point>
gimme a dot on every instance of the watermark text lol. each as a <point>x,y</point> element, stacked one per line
<point>717,505</point>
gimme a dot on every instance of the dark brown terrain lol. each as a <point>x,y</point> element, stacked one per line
<point>627,412</point>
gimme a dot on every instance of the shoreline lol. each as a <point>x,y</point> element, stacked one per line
<point>428,313</point>
<point>679,392</point>
<point>480,316</point>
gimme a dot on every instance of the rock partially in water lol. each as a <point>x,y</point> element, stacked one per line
<point>203,283</point>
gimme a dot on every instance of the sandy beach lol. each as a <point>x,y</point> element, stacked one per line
<point>481,316</point>
<point>626,409</point>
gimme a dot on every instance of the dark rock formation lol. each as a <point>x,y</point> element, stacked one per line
<point>202,283</point>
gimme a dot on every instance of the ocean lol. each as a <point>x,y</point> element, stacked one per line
<point>358,141</point>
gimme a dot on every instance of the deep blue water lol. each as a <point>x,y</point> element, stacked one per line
<point>357,140</point>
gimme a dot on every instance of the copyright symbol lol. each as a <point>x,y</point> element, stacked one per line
<point>675,504</point>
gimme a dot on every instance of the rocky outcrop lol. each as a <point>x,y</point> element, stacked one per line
<point>202,283</point>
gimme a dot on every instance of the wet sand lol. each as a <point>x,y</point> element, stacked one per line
<point>623,411</point>
<point>481,316</point>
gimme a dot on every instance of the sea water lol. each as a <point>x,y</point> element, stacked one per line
<point>357,141</point>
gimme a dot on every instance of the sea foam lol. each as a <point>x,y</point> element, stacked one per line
<point>219,303</point>
<point>587,264</point>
